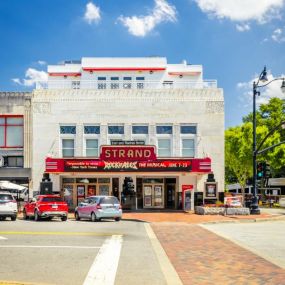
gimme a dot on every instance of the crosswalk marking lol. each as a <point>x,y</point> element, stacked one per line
<point>3,238</point>
<point>49,246</point>
<point>104,268</point>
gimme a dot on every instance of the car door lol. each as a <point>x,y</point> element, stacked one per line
<point>30,208</point>
<point>83,208</point>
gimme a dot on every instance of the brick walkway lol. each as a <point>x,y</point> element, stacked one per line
<point>202,257</point>
<point>189,217</point>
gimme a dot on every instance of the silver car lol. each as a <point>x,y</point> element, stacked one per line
<point>99,207</point>
<point>8,206</point>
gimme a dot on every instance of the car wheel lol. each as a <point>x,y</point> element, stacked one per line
<point>93,217</point>
<point>77,218</point>
<point>37,217</point>
<point>13,218</point>
<point>25,217</point>
<point>64,218</point>
<point>117,219</point>
<point>2,218</point>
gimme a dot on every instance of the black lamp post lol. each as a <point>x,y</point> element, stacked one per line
<point>254,209</point>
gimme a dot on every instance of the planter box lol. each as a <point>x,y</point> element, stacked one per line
<point>199,210</point>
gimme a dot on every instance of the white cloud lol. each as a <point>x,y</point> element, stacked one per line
<point>243,27</point>
<point>31,77</point>
<point>278,35</point>
<point>270,91</point>
<point>140,26</point>
<point>242,10</point>
<point>42,62</point>
<point>92,13</point>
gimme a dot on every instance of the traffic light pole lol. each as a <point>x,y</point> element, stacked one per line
<point>254,209</point>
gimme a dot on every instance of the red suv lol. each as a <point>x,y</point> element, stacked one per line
<point>46,206</point>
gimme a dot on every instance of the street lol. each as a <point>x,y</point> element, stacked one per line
<point>55,252</point>
<point>136,252</point>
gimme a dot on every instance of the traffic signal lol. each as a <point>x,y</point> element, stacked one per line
<point>260,170</point>
<point>267,171</point>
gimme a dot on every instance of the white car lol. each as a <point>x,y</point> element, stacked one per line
<point>8,206</point>
<point>282,202</point>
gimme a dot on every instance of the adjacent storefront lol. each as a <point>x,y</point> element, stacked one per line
<point>156,181</point>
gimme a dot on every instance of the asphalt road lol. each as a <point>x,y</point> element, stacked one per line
<point>56,252</point>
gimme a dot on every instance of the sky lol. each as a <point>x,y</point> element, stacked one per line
<point>232,39</point>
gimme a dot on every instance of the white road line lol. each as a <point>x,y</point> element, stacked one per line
<point>3,238</point>
<point>104,268</point>
<point>49,246</point>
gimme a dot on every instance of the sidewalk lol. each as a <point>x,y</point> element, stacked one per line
<point>201,257</point>
<point>192,218</point>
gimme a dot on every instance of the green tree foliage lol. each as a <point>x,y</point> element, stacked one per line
<point>238,143</point>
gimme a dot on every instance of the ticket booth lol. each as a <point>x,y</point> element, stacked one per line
<point>187,197</point>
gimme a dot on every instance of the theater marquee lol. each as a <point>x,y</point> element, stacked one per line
<point>127,159</point>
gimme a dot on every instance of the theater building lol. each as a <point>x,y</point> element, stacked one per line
<point>98,121</point>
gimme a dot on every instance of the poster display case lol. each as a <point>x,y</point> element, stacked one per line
<point>153,195</point>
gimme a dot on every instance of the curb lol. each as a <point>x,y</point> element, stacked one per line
<point>256,220</point>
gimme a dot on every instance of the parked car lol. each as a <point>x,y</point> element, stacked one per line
<point>99,207</point>
<point>46,206</point>
<point>8,206</point>
<point>282,202</point>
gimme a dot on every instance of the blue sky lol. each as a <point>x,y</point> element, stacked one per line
<point>232,39</point>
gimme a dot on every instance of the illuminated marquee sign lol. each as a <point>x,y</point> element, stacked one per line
<point>127,153</point>
<point>88,165</point>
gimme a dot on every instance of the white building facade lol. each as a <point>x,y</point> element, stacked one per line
<point>100,121</point>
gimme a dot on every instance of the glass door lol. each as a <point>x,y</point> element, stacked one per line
<point>80,193</point>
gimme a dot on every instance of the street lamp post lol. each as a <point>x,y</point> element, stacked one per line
<point>254,209</point>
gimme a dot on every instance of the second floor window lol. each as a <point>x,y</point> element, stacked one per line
<point>71,130</point>
<point>11,131</point>
<point>115,130</point>
<point>164,147</point>
<point>188,147</point>
<point>92,147</point>
<point>139,130</point>
<point>67,147</point>
<point>164,130</point>
<point>92,130</point>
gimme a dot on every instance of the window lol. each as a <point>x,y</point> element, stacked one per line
<point>188,147</point>
<point>75,84</point>
<point>68,130</point>
<point>92,147</point>
<point>15,161</point>
<point>11,131</point>
<point>142,130</point>
<point>101,82</point>
<point>118,130</point>
<point>114,84</point>
<point>127,83</point>
<point>140,82</point>
<point>68,148</point>
<point>188,129</point>
<point>164,147</point>
<point>164,130</point>
<point>92,130</point>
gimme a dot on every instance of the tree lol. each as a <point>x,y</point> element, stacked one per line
<point>238,143</point>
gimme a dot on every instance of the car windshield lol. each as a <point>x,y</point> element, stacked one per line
<point>52,199</point>
<point>109,200</point>
<point>6,197</point>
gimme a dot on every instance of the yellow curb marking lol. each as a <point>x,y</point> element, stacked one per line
<point>60,233</point>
